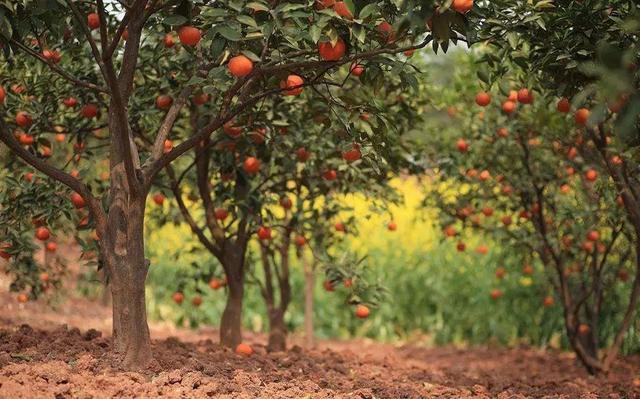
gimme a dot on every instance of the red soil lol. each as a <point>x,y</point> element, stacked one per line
<point>50,360</point>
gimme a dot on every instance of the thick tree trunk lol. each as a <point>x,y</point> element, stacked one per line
<point>231,323</point>
<point>130,330</point>
<point>277,331</point>
<point>308,305</point>
<point>122,249</point>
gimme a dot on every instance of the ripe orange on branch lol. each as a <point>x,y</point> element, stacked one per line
<point>178,297</point>
<point>483,99</point>
<point>23,119</point>
<point>525,96</point>
<point>164,101</point>
<point>330,175</point>
<point>508,107</point>
<point>331,52</point>
<point>240,66</point>
<point>292,85</point>
<point>357,69</point>
<point>462,145</point>
<point>42,233</point>
<point>158,198</point>
<point>251,165</point>
<point>362,311</point>
<point>264,233</point>
<point>341,8</point>
<point>564,106</point>
<point>89,111</point>
<point>220,213</point>
<point>77,200</point>
<point>93,20</point>
<point>462,6</point>
<point>582,116</point>
<point>189,36</point>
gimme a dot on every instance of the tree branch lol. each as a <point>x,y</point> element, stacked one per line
<point>59,70</point>
<point>54,173</point>
<point>166,126</point>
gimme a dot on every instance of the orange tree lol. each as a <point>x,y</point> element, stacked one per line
<point>290,150</point>
<point>95,56</point>
<point>529,180</point>
<point>583,57</point>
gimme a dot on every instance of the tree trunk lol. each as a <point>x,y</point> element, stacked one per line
<point>231,323</point>
<point>277,331</point>
<point>308,305</point>
<point>122,249</point>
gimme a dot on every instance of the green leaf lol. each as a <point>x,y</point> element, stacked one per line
<point>359,33</point>
<point>254,5</point>
<point>175,20</point>
<point>247,20</point>
<point>368,10</point>
<point>314,32</point>
<point>512,38</point>
<point>229,33</point>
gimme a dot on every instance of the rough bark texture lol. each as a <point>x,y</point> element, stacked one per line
<point>276,290</point>
<point>123,252</point>
<point>231,323</point>
<point>308,305</point>
<point>277,331</point>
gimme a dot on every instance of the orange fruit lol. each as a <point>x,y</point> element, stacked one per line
<point>244,350</point>
<point>189,36</point>
<point>362,311</point>
<point>462,145</point>
<point>93,20</point>
<point>251,165</point>
<point>340,7</point>
<point>42,233</point>
<point>330,175</point>
<point>462,6</point>
<point>70,102</point>
<point>163,102</point>
<point>356,69</point>
<point>582,116</point>
<point>23,119</point>
<point>292,86</point>
<point>77,200</point>
<point>330,52</point>
<point>89,111</point>
<point>264,233</point>
<point>168,40</point>
<point>178,297</point>
<point>240,66</point>
<point>508,107</point>
<point>564,105</point>
<point>591,175</point>
<point>220,214</point>
<point>158,198</point>
<point>483,99</point>
<point>525,96</point>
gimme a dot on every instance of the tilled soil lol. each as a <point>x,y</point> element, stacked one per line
<point>43,354</point>
<point>66,362</point>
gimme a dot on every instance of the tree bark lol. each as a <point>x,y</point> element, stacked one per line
<point>122,249</point>
<point>308,305</point>
<point>231,323</point>
<point>277,331</point>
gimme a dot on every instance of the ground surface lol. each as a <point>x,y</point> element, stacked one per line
<point>60,354</point>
